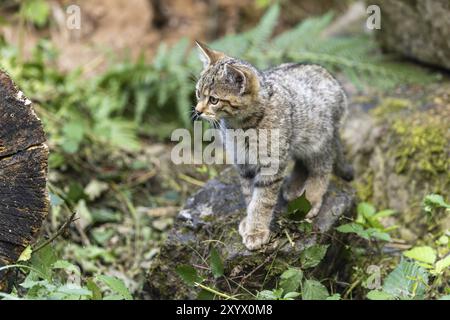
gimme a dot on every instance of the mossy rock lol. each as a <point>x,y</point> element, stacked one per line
<point>400,148</point>
<point>416,29</point>
<point>210,220</point>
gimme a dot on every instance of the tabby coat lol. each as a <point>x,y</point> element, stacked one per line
<point>304,103</point>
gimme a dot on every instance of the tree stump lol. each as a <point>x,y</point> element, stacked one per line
<point>23,170</point>
<point>211,218</point>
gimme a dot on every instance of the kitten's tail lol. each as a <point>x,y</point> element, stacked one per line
<point>342,168</point>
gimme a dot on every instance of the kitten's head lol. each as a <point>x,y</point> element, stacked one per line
<point>227,88</point>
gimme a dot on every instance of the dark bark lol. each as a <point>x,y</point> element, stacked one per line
<point>23,170</point>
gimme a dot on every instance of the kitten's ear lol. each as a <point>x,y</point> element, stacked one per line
<point>207,55</point>
<point>243,77</point>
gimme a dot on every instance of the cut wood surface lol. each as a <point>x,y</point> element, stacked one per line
<point>23,174</point>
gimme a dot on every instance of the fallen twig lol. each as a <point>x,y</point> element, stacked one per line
<point>60,231</point>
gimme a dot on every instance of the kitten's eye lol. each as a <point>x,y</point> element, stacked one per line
<point>213,100</point>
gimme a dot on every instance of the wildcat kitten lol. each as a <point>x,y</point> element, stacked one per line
<point>304,102</point>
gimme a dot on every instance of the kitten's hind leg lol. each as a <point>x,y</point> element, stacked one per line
<point>319,172</point>
<point>294,186</point>
<point>316,187</point>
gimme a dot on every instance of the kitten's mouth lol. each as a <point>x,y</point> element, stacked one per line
<point>208,117</point>
<point>213,119</point>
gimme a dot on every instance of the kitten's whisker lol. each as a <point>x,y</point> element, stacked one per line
<point>193,77</point>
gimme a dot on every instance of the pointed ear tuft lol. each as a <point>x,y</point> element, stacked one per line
<point>207,55</point>
<point>244,78</point>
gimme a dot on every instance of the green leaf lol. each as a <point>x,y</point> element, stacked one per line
<point>379,295</point>
<point>314,290</point>
<point>352,228</point>
<point>205,295</point>
<point>298,208</point>
<point>73,134</point>
<point>26,254</point>
<point>447,297</point>
<point>104,215</point>
<point>423,254</point>
<point>433,201</point>
<point>74,290</point>
<point>364,233</point>
<point>215,263</point>
<point>266,295</point>
<point>6,296</point>
<point>291,280</point>
<point>43,261</point>
<point>32,283</point>
<point>113,297</point>
<point>188,274</point>
<point>407,281</point>
<point>94,288</point>
<point>442,264</point>
<point>116,285</point>
<point>36,11</point>
<point>311,256</point>
<point>443,240</point>
<point>384,213</point>
<point>291,295</point>
<point>67,266</point>
<point>365,209</point>
<point>278,293</point>
<point>335,296</point>
<point>377,234</point>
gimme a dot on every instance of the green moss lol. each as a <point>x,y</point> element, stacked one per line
<point>417,141</point>
<point>364,186</point>
<point>422,144</point>
<point>391,105</point>
<point>412,157</point>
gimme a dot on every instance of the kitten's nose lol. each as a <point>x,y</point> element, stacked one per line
<point>199,108</point>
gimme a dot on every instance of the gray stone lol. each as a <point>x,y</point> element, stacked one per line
<point>416,29</point>
<point>210,219</point>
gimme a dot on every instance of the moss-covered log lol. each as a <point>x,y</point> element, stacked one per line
<point>210,220</point>
<point>23,171</point>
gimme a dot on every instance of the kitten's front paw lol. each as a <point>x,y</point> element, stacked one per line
<point>257,239</point>
<point>313,212</point>
<point>243,227</point>
<point>253,238</point>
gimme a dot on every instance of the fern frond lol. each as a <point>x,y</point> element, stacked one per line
<point>264,30</point>
<point>306,32</point>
